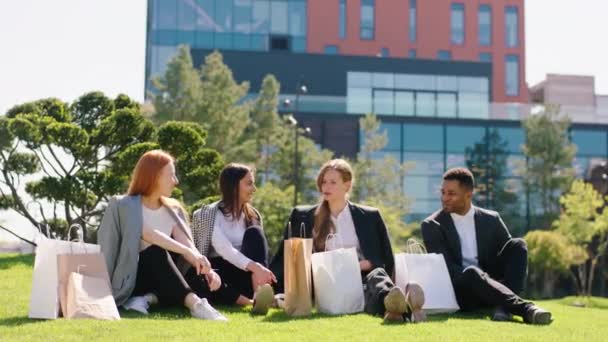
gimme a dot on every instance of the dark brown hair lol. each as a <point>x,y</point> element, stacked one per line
<point>461,174</point>
<point>230,178</point>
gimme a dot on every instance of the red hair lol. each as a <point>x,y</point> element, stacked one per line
<point>146,172</point>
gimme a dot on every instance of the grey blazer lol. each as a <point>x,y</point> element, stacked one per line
<point>119,236</point>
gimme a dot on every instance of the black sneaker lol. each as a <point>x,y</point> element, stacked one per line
<point>536,315</point>
<point>501,315</point>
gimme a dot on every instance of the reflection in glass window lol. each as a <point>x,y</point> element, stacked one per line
<point>484,18</point>
<point>457,23</point>
<point>421,187</point>
<point>298,44</point>
<point>278,12</point>
<point>223,15</point>
<point>297,18</point>
<point>383,102</point>
<point>485,57</point>
<point>446,104</point>
<point>261,17</point>
<point>447,83</point>
<point>393,134</point>
<point>404,103</point>
<point>242,16</point>
<point>359,100</point>
<point>512,75</point>
<point>425,104</point>
<point>473,84</point>
<point>511,26</point>
<point>513,136</point>
<point>330,50</point>
<point>204,15</point>
<point>473,105</point>
<point>166,15</point>
<point>367,19</point>
<point>444,55</point>
<point>359,79</point>
<point>383,80</point>
<point>411,53</point>
<point>423,137</point>
<point>185,15</point>
<point>425,163</point>
<point>461,137</point>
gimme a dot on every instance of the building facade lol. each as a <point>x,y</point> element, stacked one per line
<point>446,78</point>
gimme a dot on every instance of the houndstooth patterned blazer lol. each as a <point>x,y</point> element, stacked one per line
<point>203,221</point>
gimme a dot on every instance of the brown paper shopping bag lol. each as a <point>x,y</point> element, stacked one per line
<point>89,297</point>
<point>87,264</point>
<point>297,268</point>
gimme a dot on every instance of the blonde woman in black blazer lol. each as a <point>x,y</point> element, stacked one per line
<point>357,226</point>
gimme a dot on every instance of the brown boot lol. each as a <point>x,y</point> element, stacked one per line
<point>394,305</point>
<point>414,297</point>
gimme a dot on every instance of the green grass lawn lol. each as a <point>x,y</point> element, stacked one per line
<point>571,323</point>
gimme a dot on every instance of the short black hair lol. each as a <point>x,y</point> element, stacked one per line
<point>463,175</point>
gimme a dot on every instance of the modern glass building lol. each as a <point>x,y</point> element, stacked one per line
<point>446,78</point>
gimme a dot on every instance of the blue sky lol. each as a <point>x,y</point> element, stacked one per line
<point>64,48</point>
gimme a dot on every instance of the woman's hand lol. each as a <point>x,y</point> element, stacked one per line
<point>365,265</point>
<point>260,275</point>
<point>213,280</point>
<point>200,263</point>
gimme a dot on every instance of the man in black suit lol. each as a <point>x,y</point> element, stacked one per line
<point>487,266</point>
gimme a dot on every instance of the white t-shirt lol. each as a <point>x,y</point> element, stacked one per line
<point>227,239</point>
<point>346,236</point>
<point>159,219</point>
<point>465,226</point>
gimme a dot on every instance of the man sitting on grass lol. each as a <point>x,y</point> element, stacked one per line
<point>487,267</point>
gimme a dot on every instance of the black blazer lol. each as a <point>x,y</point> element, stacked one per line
<point>440,236</point>
<point>369,226</point>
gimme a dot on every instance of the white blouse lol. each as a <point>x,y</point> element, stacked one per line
<point>227,240</point>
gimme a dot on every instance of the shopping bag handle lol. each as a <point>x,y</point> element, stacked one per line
<point>302,230</point>
<point>79,239</point>
<point>333,235</point>
<point>414,246</point>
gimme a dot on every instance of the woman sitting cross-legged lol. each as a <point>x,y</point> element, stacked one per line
<point>355,226</point>
<point>230,233</point>
<point>148,245</point>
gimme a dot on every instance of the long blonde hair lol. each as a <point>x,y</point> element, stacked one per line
<point>323,225</point>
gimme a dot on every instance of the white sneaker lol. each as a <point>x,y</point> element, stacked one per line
<point>203,310</point>
<point>137,303</point>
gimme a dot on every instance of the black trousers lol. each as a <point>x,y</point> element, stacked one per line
<point>376,285</point>
<point>499,285</point>
<point>156,274</point>
<point>236,282</point>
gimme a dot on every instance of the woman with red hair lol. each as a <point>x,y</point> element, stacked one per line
<point>148,244</point>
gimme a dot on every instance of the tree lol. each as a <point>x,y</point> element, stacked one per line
<point>75,157</point>
<point>275,205</point>
<point>550,155</point>
<point>379,182</point>
<point>584,223</point>
<point>487,159</point>
<point>550,254</point>
<point>209,96</point>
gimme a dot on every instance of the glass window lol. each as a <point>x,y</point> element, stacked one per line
<point>393,133</point>
<point>512,75</point>
<point>223,15</point>
<point>461,137</point>
<point>423,187</point>
<point>259,42</point>
<point>589,142</point>
<point>512,136</point>
<point>298,44</point>
<point>367,19</point>
<point>457,23</point>
<point>242,16</point>
<point>261,17</point>
<point>425,163</point>
<point>185,16</point>
<point>359,100</point>
<point>411,53</point>
<point>165,15</point>
<point>473,105</point>
<point>447,83</point>
<point>446,105</point>
<point>384,52</point>
<point>278,15</point>
<point>384,102</point>
<point>359,79</point>
<point>485,57</point>
<point>342,19</point>
<point>511,26</point>
<point>484,18</point>
<point>383,80</point>
<point>423,138</point>
<point>444,55</point>
<point>204,16</point>
<point>425,104</point>
<point>411,81</point>
<point>404,103</point>
<point>297,18</point>
<point>412,23</point>
<point>330,50</point>
<point>473,84</point>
